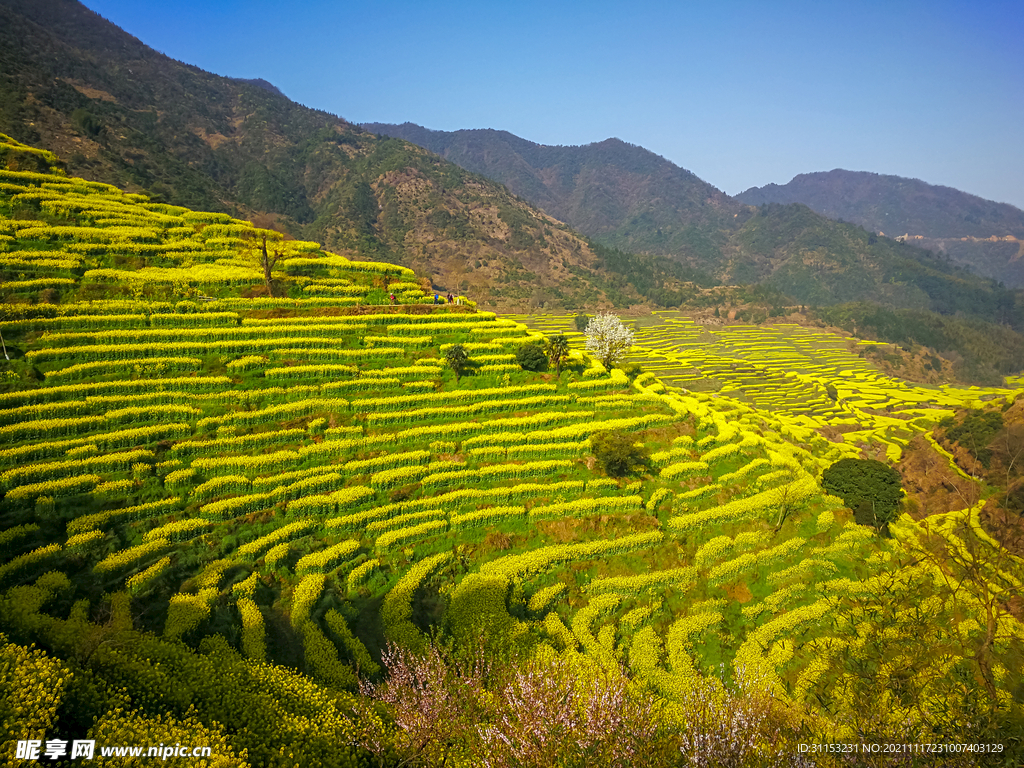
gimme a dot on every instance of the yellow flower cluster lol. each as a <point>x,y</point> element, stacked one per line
<point>488,516</point>
<point>387,461</point>
<point>640,614</point>
<point>325,558</point>
<point>103,367</point>
<point>396,612</point>
<point>33,685</point>
<point>542,598</point>
<point>585,429</point>
<point>34,473</point>
<point>253,633</point>
<point>731,569</point>
<point>404,535</point>
<point>659,496</point>
<point>680,639</point>
<point>285,411</point>
<point>364,663</point>
<point>81,542</point>
<point>321,656</point>
<point>44,429</point>
<point>141,580</point>
<point>580,507</point>
<point>137,512</point>
<point>32,558</point>
<point>130,556</point>
<point>466,411</point>
<point>291,479</point>
<point>825,521</point>
<point>260,463</point>
<point>685,469</point>
<point>305,596</point>
<point>528,563</point>
<point>217,486</point>
<point>497,472</point>
<point>570,450</point>
<point>746,507</point>
<point>743,471</point>
<point>678,578</point>
<point>285,532</point>
<point>186,612</point>
<point>247,363</point>
<point>247,586</point>
<point>69,486</point>
<point>327,371</point>
<point>617,380</point>
<point>340,501</point>
<point>179,530</point>
<point>556,629</point>
<point>276,554</point>
<point>455,397</point>
<point>586,616</point>
<point>242,443</point>
<point>361,572</point>
<point>377,527</point>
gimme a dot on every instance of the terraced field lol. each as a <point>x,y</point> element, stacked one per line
<point>304,477</point>
<point>786,369</point>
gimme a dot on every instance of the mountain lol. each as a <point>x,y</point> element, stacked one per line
<point>627,197</point>
<point>119,112</point>
<point>985,235</point>
<point>122,113</point>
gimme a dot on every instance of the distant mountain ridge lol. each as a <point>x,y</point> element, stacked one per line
<point>626,195</point>
<point>893,204</point>
<point>983,234</point>
<point>120,112</point>
<point>630,198</point>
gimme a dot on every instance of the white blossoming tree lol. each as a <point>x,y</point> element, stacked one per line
<point>608,339</point>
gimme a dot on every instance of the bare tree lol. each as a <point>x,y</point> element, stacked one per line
<point>266,258</point>
<point>934,637</point>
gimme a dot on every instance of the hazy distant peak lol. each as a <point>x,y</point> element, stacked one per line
<point>894,204</point>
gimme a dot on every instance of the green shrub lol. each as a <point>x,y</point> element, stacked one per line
<point>531,357</point>
<point>869,487</point>
<point>618,454</point>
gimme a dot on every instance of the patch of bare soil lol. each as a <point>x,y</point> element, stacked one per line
<point>739,592</point>
<point>933,486</point>
<point>1005,526</point>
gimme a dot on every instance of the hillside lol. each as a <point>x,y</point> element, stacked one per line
<point>120,113</point>
<point>987,236</point>
<point>631,199</point>
<point>622,194</point>
<point>221,506</point>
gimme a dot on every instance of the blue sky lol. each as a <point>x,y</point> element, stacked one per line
<point>741,93</point>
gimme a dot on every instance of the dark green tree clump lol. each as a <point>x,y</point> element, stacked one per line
<point>581,321</point>
<point>457,357</point>
<point>870,488</point>
<point>531,357</point>
<point>618,453</point>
